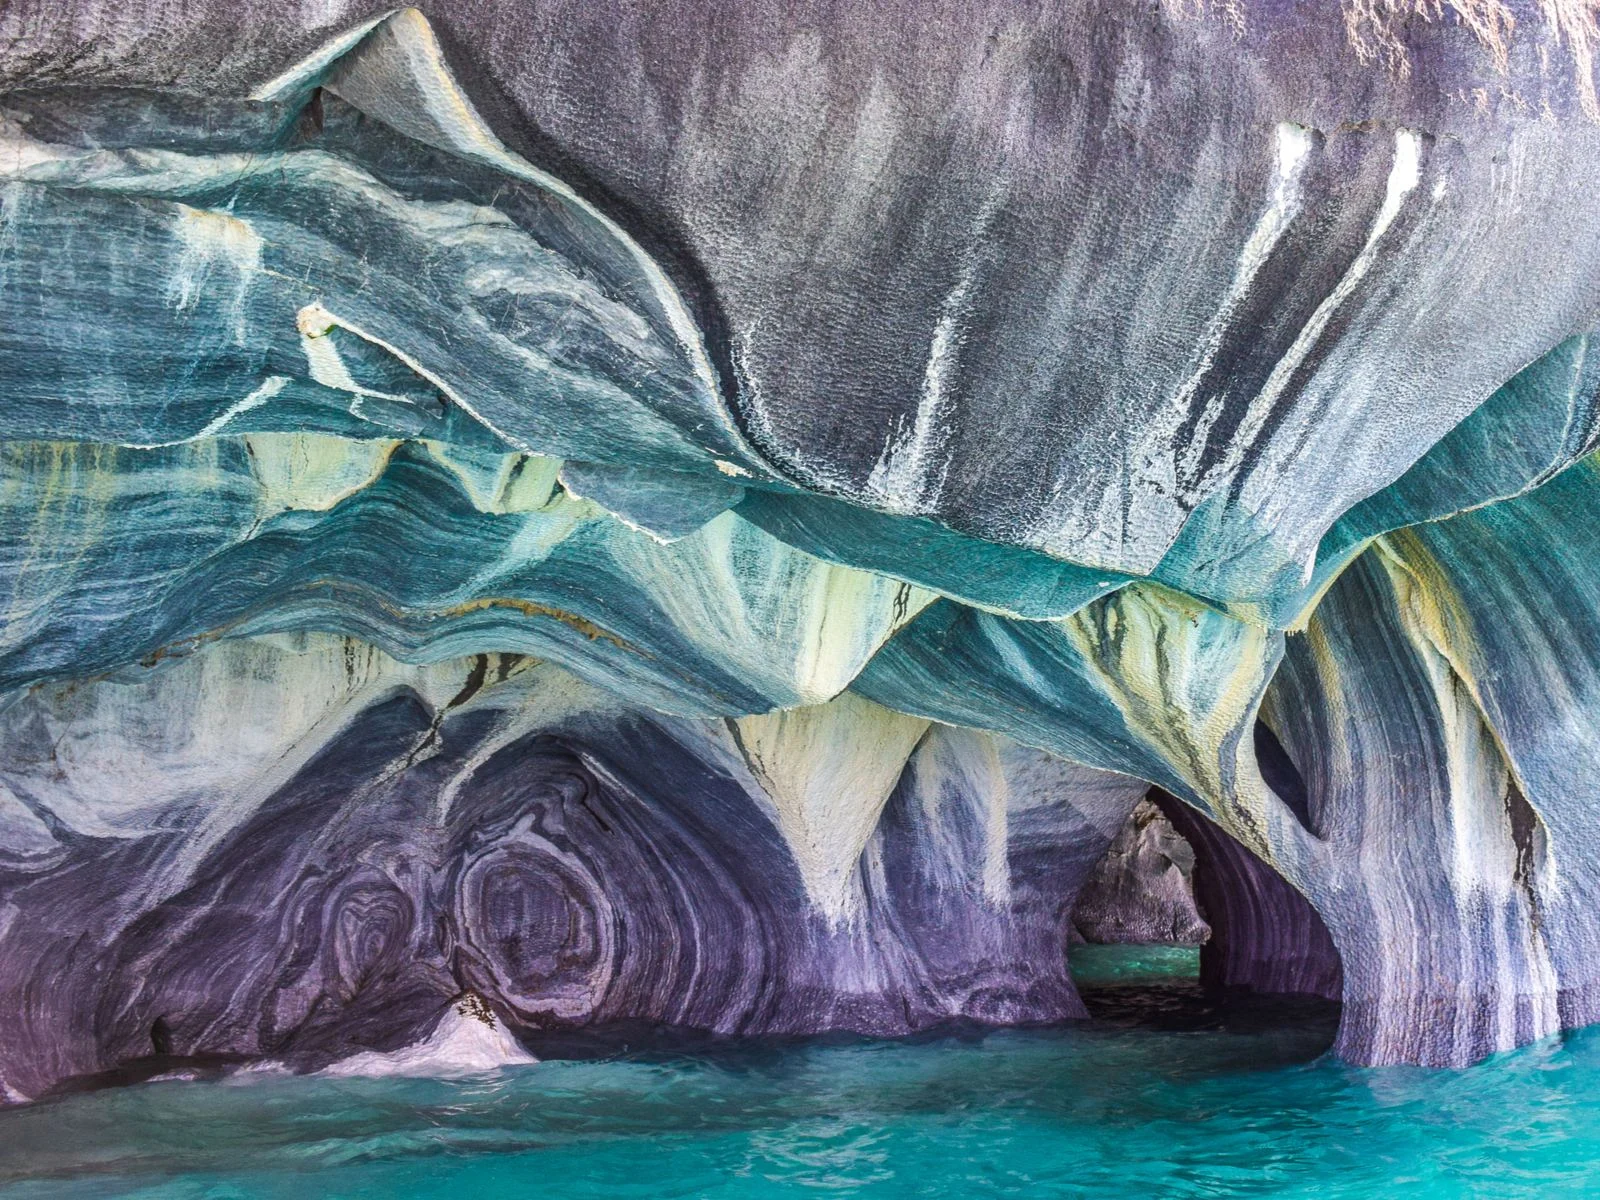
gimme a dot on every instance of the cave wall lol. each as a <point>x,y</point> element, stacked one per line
<point>861,454</point>
<point>1143,890</point>
<point>1264,936</point>
<point>326,876</point>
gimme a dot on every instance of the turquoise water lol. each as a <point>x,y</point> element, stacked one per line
<point>1112,966</point>
<point>1199,1104</point>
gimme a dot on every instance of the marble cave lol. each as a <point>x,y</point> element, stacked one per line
<point>717,515</point>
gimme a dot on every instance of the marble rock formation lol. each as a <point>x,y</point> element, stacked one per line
<point>300,850</point>
<point>1143,890</point>
<point>715,514</point>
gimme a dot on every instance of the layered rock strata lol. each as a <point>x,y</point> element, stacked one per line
<point>325,876</point>
<point>716,515</point>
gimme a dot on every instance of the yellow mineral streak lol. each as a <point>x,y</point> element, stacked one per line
<point>829,770</point>
<point>313,471</point>
<point>1187,681</point>
<point>1438,625</point>
<point>1480,769</point>
<point>507,483</point>
<point>71,487</point>
<point>738,593</point>
<point>529,608</point>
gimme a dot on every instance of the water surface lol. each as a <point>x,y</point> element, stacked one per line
<point>1162,1095</point>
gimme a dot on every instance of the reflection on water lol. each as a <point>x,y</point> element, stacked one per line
<point>1193,1102</point>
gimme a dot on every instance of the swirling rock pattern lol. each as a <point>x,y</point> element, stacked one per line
<point>716,514</point>
<point>334,886</point>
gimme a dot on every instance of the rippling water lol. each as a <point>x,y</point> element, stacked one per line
<point>1160,1096</point>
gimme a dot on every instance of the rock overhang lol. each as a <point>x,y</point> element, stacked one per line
<point>1051,395</point>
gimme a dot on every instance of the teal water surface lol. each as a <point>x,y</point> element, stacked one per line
<point>1199,1104</point>
<point>1112,966</point>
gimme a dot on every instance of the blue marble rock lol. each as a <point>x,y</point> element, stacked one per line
<point>715,516</point>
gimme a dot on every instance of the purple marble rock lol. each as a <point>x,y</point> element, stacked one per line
<point>714,514</point>
<point>1264,936</point>
<point>603,865</point>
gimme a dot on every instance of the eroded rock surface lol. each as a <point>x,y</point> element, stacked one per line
<point>1143,889</point>
<point>326,876</point>
<point>715,514</point>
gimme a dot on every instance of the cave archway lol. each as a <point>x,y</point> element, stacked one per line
<point>1191,907</point>
<point>1266,938</point>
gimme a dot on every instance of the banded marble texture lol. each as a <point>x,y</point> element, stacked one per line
<point>714,515</point>
<point>328,875</point>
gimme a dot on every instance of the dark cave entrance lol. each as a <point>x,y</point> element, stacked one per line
<point>1182,927</point>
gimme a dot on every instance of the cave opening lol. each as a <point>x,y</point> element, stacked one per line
<point>1181,927</point>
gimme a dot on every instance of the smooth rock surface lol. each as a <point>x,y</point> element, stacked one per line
<point>715,514</point>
